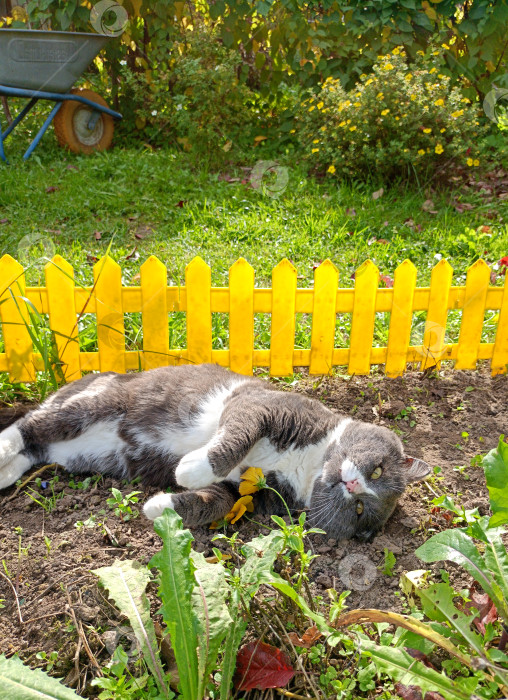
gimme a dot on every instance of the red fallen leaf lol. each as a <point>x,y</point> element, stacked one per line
<point>417,654</point>
<point>51,189</point>
<point>387,280</point>
<point>92,258</point>
<point>468,152</point>
<point>260,665</point>
<point>351,211</point>
<point>486,609</point>
<point>382,241</point>
<point>310,637</point>
<point>413,692</point>
<point>72,167</point>
<point>485,229</point>
<point>133,255</point>
<point>182,202</point>
<point>4,221</point>
<point>97,235</point>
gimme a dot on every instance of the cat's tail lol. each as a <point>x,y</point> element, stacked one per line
<point>10,414</point>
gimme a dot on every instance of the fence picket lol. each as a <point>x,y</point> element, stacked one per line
<point>198,282</point>
<point>326,282</point>
<point>364,316</point>
<point>401,319</point>
<point>154,309</point>
<point>109,310</point>
<point>435,326</point>
<point>63,319</point>
<point>499,363</point>
<point>282,339</point>
<point>14,315</point>
<point>477,284</point>
<point>241,317</point>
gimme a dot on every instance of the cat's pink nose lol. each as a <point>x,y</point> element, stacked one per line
<point>353,486</point>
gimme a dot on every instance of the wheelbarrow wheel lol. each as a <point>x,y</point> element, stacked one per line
<point>72,125</point>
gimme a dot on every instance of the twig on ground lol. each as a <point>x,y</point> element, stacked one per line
<point>15,596</point>
<point>289,694</point>
<point>81,633</point>
<point>27,481</point>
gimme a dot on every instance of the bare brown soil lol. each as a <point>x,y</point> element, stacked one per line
<point>453,418</point>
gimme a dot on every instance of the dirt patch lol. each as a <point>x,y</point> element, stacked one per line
<point>446,420</point>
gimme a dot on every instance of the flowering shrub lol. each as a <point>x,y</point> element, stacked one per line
<point>397,120</point>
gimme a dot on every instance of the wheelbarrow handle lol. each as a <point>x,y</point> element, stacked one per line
<point>56,97</point>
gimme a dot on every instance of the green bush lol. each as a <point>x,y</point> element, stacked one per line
<point>194,98</point>
<point>400,120</point>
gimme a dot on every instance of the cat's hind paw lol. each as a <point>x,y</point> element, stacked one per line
<point>11,444</point>
<point>13,470</point>
<point>195,471</point>
<point>155,506</point>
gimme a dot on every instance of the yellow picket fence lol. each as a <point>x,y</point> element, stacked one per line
<point>64,302</point>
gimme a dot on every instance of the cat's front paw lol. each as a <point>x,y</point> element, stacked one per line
<point>155,506</point>
<point>195,471</point>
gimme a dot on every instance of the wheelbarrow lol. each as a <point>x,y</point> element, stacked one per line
<point>44,65</point>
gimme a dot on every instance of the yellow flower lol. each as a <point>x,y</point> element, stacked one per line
<point>331,169</point>
<point>476,162</point>
<point>322,128</point>
<point>445,46</point>
<point>342,124</point>
<point>469,162</point>
<point>466,100</point>
<point>388,66</point>
<point>413,98</point>
<point>458,113</point>
<point>252,480</point>
<point>396,51</point>
<point>379,96</point>
<point>427,131</point>
<point>442,131</point>
<point>315,150</point>
<point>409,76</point>
<point>439,103</point>
<point>421,152</point>
<point>384,112</point>
<point>292,131</point>
<point>433,70</point>
<point>356,104</point>
<point>316,141</point>
<point>439,148</point>
<point>369,81</point>
<point>311,108</point>
<point>242,505</point>
<point>352,128</point>
<point>320,105</point>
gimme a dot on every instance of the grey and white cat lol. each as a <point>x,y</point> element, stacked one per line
<point>198,428</point>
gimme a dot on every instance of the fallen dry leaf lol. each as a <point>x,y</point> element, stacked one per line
<point>50,190</point>
<point>309,638</point>
<point>378,193</point>
<point>97,235</point>
<point>260,665</point>
<point>428,206</point>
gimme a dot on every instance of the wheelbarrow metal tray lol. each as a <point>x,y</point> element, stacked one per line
<point>44,60</point>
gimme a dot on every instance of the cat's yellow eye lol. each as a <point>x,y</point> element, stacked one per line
<point>359,507</point>
<point>376,473</point>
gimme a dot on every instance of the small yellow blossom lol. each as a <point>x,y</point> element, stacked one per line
<point>457,113</point>
<point>439,103</point>
<point>356,104</point>
<point>331,169</point>
<point>445,46</point>
<point>242,505</point>
<point>352,128</point>
<point>315,150</point>
<point>379,96</point>
<point>421,152</point>
<point>253,480</point>
<point>342,124</point>
<point>466,100</point>
<point>384,112</point>
<point>413,98</point>
<point>439,148</point>
<point>369,81</point>
<point>316,141</point>
<point>469,161</point>
<point>322,128</point>
<point>311,108</point>
<point>432,70</point>
<point>427,131</point>
<point>292,131</point>
<point>396,51</point>
<point>442,130</point>
<point>388,66</point>
<point>476,162</point>
<point>409,76</point>
<point>320,105</point>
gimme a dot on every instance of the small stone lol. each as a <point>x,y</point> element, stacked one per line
<point>331,542</point>
<point>409,522</point>
<point>324,549</point>
<point>324,580</point>
<point>394,583</point>
<point>382,542</point>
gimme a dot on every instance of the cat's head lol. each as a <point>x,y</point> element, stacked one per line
<point>364,474</point>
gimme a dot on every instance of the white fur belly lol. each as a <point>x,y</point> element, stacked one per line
<point>300,466</point>
<point>97,443</point>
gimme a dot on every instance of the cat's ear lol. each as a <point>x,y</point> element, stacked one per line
<point>416,469</point>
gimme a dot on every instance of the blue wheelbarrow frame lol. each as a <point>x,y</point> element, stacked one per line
<point>59,98</point>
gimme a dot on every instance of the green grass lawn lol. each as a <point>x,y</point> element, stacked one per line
<point>142,203</point>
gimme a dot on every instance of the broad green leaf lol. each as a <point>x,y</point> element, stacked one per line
<point>495,464</point>
<point>126,582</point>
<point>209,603</point>
<point>456,546</point>
<point>496,560</point>
<point>18,682</point>
<point>176,586</point>
<point>403,668</point>
<point>260,554</point>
